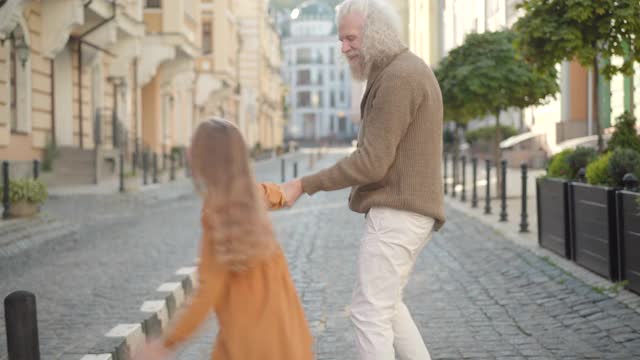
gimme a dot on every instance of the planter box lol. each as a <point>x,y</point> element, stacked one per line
<point>552,197</point>
<point>593,229</point>
<point>628,215</point>
<point>23,209</point>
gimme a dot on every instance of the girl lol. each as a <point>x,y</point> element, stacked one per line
<point>243,275</point>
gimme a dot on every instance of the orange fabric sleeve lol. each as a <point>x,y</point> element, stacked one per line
<point>273,195</point>
<point>211,284</point>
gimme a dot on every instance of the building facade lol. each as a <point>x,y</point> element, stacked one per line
<point>318,79</point>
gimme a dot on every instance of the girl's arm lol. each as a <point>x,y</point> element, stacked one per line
<point>212,281</point>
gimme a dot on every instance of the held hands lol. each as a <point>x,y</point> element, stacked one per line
<point>292,191</point>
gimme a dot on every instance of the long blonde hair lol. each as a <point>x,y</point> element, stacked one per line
<point>234,217</point>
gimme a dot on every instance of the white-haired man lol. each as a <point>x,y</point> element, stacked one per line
<point>395,175</point>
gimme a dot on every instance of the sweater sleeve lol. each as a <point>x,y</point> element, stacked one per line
<point>212,282</point>
<point>385,124</point>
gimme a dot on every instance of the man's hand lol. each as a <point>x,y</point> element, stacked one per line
<point>292,191</point>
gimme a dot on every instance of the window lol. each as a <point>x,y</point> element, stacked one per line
<point>332,56</point>
<point>153,4</point>
<point>332,75</point>
<point>304,99</point>
<point>304,77</point>
<point>320,100</point>
<point>207,40</point>
<point>332,100</point>
<point>320,78</point>
<point>342,125</point>
<point>341,97</point>
<point>303,55</point>
<point>342,75</point>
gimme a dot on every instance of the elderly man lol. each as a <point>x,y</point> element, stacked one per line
<point>395,175</point>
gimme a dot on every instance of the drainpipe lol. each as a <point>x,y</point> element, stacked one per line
<point>590,102</point>
<point>53,103</point>
<point>113,16</point>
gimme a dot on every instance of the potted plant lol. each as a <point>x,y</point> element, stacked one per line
<point>25,197</point>
<point>628,216</point>
<point>594,227</point>
<point>553,199</point>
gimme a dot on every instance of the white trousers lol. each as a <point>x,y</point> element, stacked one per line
<point>388,251</point>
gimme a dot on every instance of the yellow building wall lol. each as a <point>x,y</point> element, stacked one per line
<point>151,115</point>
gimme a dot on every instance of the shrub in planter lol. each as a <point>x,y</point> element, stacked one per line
<point>559,166</point>
<point>625,134</point>
<point>25,195</point>
<point>623,161</point>
<point>597,171</point>
<point>579,159</point>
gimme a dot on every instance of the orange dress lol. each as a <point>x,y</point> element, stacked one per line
<point>259,313</point>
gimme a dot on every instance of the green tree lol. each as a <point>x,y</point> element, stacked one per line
<point>484,76</point>
<point>456,110</point>
<point>555,30</point>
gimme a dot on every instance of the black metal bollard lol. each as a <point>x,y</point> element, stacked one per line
<point>454,171</point>
<point>524,223</point>
<point>136,154</point>
<point>5,189</point>
<point>22,326</point>
<point>446,186</point>
<point>474,190</point>
<point>503,197</point>
<point>121,172</point>
<point>582,175</point>
<point>282,172</point>
<point>155,168</point>
<point>36,169</point>
<point>295,169</point>
<point>463,195</point>
<point>487,202</point>
<point>173,167</point>
<point>145,168</point>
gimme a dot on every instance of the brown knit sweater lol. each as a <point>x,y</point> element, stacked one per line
<point>397,163</point>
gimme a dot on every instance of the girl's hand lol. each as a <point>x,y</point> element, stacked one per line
<point>153,350</point>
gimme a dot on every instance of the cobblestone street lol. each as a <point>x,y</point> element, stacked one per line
<point>474,294</point>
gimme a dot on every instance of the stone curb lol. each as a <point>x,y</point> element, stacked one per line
<point>123,340</point>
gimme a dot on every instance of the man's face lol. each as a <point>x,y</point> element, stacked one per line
<point>350,33</point>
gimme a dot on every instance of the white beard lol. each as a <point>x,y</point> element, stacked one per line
<point>359,70</point>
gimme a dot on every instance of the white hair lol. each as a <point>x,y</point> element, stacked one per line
<point>381,39</point>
